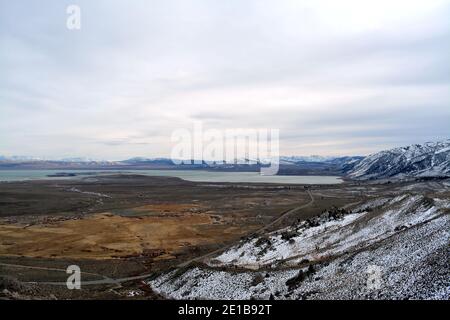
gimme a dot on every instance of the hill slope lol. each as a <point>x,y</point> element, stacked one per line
<point>431,159</point>
<point>398,242</point>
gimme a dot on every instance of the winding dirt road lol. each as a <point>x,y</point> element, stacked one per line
<point>118,281</point>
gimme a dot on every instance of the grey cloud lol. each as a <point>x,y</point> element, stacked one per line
<point>138,70</point>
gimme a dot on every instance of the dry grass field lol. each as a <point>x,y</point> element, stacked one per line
<point>106,236</point>
<point>143,225</point>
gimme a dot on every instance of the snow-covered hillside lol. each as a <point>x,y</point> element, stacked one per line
<point>334,232</point>
<point>403,239</point>
<point>431,159</point>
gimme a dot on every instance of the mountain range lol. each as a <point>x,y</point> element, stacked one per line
<point>431,159</point>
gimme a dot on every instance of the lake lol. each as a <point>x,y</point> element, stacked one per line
<point>189,175</point>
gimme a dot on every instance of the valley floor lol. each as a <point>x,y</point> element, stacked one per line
<point>140,237</point>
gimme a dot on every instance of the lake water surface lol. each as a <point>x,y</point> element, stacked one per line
<point>190,175</point>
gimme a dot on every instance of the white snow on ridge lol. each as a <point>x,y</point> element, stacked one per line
<point>405,237</point>
<point>413,264</point>
<point>426,160</point>
<point>332,238</point>
<point>305,245</point>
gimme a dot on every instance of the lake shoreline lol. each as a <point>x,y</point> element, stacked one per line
<point>188,175</point>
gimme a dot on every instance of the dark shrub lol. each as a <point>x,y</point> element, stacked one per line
<point>295,281</point>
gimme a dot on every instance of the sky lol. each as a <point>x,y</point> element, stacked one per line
<point>348,77</point>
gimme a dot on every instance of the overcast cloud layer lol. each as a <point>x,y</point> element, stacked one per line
<point>336,77</point>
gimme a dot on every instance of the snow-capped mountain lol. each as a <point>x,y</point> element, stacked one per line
<point>431,159</point>
<point>19,158</point>
<point>312,158</point>
<point>80,159</point>
<point>15,158</point>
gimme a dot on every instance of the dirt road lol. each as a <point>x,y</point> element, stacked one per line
<point>118,281</point>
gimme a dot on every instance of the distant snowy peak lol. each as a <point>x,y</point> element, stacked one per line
<point>80,159</point>
<point>144,161</point>
<point>312,158</point>
<point>431,159</point>
<point>48,159</point>
<point>19,158</point>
